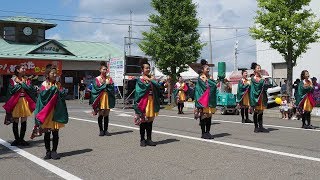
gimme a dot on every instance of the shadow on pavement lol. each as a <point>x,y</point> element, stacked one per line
<point>76,152</point>
<point>221,135</point>
<point>272,129</point>
<point>167,141</point>
<point>120,132</point>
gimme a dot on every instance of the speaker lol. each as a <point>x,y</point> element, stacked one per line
<point>132,66</point>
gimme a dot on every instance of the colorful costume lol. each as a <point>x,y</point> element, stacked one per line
<point>146,106</point>
<point>21,98</point>
<point>179,92</point>
<point>51,111</point>
<point>205,103</point>
<point>146,100</point>
<point>20,104</point>
<point>103,99</point>
<point>102,95</point>
<point>243,97</point>
<point>51,114</point>
<point>305,101</point>
<point>259,101</point>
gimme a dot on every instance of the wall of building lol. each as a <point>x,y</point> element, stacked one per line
<point>309,61</point>
<point>80,65</point>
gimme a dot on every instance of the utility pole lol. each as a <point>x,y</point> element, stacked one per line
<point>210,46</point>
<point>236,52</point>
<point>130,34</point>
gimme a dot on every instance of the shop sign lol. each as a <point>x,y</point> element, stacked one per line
<point>33,67</point>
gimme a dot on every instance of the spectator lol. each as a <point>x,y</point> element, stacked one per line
<point>295,86</point>
<point>82,90</point>
<point>316,90</point>
<point>284,109</point>
<point>284,87</point>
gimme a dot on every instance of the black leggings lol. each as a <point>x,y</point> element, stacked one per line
<point>205,125</point>
<point>104,126</point>
<point>55,140</point>
<point>306,116</point>
<point>245,111</point>
<point>15,130</point>
<point>180,107</point>
<point>258,120</point>
<point>146,127</point>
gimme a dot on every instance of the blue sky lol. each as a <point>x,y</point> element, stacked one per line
<point>216,12</point>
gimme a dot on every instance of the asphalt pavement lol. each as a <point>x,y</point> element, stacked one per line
<point>287,152</point>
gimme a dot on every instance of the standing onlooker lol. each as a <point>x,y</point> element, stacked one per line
<point>316,90</point>
<point>284,107</point>
<point>284,87</point>
<point>82,90</point>
<point>295,86</point>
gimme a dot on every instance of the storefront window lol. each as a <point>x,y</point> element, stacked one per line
<point>9,33</point>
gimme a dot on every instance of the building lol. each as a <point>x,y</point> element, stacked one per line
<point>274,63</point>
<point>23,41</point>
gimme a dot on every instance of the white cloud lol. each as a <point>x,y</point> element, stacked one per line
<point>54,36</point>
<point>214,12</point>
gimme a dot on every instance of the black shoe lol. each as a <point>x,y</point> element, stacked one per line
<point>55,155</point>
<point>150,143</point>
<point>143,143</point>
<point>243,121</point>
<point>48,155</point>
<point>248,121</point>
<point>210,136</point>
<point>15,143</point>
<point>304,126</point>
<point>101,133</point>
<point>263,130</point>
<point>24,143</point>
<point>206,136</point>
<point>256,130</point>
<point>203,136</point>
<point>179,112</point>
<point>310,127</point>
<point>182,112</point>
<point>106,133</point>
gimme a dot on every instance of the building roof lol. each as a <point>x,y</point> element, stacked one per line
<point>71,50</point>
<point>27,20</point>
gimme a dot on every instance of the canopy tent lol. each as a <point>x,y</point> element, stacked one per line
<point>189,74</point>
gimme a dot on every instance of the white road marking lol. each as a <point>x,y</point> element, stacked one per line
<point>233,122</point>
<point>214,141</point>
<point>60,172</point>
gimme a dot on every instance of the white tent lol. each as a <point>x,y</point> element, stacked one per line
<point>189,74</point>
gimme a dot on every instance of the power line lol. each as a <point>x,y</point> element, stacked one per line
<point>228,38</point>
<point>247,47</point>
<point>99,18</point>
<point>60,15</point>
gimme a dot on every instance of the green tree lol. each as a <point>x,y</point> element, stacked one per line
<point>173,40</point>
<point>289,27</point>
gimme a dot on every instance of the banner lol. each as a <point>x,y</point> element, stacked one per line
<point>116,70</point>
<point>33,67</point>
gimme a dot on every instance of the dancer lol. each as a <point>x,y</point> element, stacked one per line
<point>304,99</point>
<point>51,112</point>
<point>179,92</point>
<point>243,98</point>
<point>146,103</point>
<point>205,99</point>
<point>20,105</point>
<point>103,98</point>
<point>258,98</point>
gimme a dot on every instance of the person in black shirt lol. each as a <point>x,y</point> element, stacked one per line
<point>82,90</point>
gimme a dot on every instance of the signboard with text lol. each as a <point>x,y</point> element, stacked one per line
<point>33,67</point>
<point>116,68</point>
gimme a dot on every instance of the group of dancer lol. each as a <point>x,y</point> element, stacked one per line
<point>51,114</point>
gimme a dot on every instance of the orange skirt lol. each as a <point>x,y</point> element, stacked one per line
<point>21,109</point>
<point>260,106</point>
<point>246,100</point>
<point>150,108</point>
<point>307,105</point>
<point>50,124</point>
<point>104,101</point>
<point>181,96</point>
